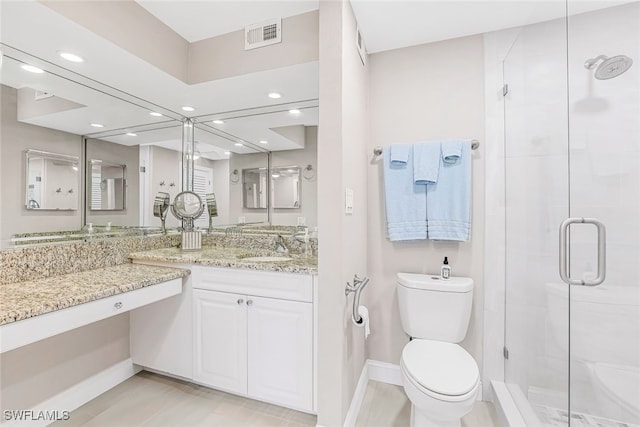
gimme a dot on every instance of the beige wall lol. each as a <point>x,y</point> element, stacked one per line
<point>130,26</point>
<point>342,163</point>
<point>36,372</point>
<point>224,56</point>
<point>120,155</point>
<point>423,92</point>
<point>134,29</point>
<point>15,139</point>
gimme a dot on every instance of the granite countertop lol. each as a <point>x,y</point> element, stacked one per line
<point>233,257</point>
<point>23,300</point>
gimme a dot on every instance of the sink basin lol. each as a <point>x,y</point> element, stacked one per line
<point>267,259</point>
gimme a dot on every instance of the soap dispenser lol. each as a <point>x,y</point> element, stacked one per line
<point>445,270</point>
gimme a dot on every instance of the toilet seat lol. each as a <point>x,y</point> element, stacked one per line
<point>444,371</point>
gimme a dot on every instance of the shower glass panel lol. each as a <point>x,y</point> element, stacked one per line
<point>572,150</point>
<point>536,202</point>
<point>604,172</point>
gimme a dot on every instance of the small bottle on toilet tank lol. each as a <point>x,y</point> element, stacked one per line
<point>445,270</point>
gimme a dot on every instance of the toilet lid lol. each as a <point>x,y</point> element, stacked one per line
<point>441,367</point>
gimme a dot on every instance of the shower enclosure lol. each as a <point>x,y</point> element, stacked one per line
<point>572,151</point>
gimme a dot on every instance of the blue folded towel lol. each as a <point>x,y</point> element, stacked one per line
<point>399,154</point>
<point>405,202</point>
<point>451,151</point>
<point>426,162</point>
<point>449,200</point>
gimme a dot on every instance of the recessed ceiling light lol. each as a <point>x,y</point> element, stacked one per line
<point>70,57</point>
<point>237,144</point>
<point>97,125</point>
<point>218,121</point>
<point>290,170</point>
<point>262,141</point>
<point>131,134</point>
<point>154,114</point>
<point>294,111</point>
<point>227,152</point>
<point>187,108</point>
<point>274,95</point>
<point>275,175</point>
<point>32,69</point>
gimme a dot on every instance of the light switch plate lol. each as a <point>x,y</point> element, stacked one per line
<point>302,220</point>
<point>348,201</point>
<point>242,220</point>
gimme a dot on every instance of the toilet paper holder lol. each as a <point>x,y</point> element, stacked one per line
<point>357,287</point>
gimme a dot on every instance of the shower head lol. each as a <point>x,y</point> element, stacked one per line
<point>609,67</point>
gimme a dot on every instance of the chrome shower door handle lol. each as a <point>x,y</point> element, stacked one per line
<point>602,251</point>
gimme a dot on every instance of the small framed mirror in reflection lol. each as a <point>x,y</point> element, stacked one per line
<point>107,186</point>
<point>285,187</point>
<point>52,181</point>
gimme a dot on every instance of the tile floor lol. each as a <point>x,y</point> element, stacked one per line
<point>149,399</point>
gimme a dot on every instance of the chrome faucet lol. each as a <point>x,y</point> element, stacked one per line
<point>280,245</point>
<point>302,236</point>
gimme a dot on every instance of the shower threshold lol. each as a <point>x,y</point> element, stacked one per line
<point>516,411</point>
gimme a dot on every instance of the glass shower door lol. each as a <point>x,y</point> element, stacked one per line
<point>536,202</point>
<point>604,172</point>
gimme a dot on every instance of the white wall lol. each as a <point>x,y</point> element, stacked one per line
<point>430,91</point>
<point>342,160</point>
<point>15,139</point>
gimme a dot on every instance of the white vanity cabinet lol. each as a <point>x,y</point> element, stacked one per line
<point>253,334</point>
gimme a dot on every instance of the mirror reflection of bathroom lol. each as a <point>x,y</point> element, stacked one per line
<point>52,181</point>
<point>107,186</point>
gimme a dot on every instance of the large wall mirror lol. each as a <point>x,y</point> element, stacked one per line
<point>128,135</point>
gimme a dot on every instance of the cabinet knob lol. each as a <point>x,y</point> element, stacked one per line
<point>240,301</point>
<point>118,305</point>
<point>249,302</point>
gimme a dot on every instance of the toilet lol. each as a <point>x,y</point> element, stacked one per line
<point>439,377</point>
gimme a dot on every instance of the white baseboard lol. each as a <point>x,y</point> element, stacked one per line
<point>384,372</point>
<point>374,370</point>
<point>81,393</point>
<point>358,397</point>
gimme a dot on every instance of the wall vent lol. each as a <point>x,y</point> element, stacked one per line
<point>263,34</point>
<point>41,94</point>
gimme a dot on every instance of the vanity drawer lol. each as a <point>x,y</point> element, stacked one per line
<point>27,331</point>
<point>290,286</point>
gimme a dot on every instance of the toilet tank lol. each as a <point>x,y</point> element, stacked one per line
<point>433,308</point>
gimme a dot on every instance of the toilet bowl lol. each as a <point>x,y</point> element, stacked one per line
<point>441,380</point>
<point>439,377</point>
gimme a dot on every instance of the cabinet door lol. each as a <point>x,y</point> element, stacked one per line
<point>220,341</point>
<point>280,340</point>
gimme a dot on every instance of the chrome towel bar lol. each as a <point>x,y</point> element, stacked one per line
<point>377,151</point>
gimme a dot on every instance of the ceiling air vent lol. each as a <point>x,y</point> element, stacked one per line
<point>263,34</point>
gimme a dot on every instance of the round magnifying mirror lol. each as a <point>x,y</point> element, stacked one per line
<point>187,205</point>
